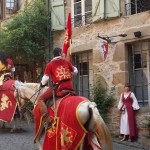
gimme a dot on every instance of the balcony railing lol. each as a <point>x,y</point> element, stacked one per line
<point>79,21</point>
<point>137,6</point>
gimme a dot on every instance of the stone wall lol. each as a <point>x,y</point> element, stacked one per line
<point>113,71</point>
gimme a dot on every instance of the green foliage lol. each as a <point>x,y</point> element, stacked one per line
<point>103,99</point>
<point>26,33</point>
<point>146,125</point>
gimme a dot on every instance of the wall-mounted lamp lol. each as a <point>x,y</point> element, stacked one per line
<point>108,38</point>
<point>137,34</point>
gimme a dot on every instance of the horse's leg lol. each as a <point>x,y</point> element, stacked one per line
<point>85,115</point>
<point>3,125</point>
<point>13,129</point>
<point>39,145</point>
<point>95,144</point>
<point>88,112</point>
<point>101,129</point>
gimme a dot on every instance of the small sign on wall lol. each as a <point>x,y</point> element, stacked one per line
<point>103,47</point>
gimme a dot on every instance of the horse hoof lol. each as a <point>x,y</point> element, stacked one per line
<point>3,127</point>
<point>12,130</point>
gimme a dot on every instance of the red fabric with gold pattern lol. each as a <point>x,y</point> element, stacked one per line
<point>7,101</point>
<point>66,131</point>
<point>69,133</point>
<point>59,69</point>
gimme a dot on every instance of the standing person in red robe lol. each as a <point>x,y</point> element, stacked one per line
<point>127,104</point>
<point>61,72</point>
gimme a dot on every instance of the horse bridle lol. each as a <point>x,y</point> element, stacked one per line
<point>27,101</point>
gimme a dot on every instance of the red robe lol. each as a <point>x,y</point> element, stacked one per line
<point>131,116</point>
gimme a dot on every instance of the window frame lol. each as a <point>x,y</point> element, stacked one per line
<point>83,13</point>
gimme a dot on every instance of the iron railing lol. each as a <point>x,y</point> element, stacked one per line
<point>82,20</point>
<point>137,6</point>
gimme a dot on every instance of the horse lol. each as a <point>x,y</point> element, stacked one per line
<point>87,113</point>
<point>8,88</point>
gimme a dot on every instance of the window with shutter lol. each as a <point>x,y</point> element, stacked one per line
<point>97,10</point>
<point>112,8</point>
<point>104,9</point>
<point>81,12</point>
<point>57,15</point>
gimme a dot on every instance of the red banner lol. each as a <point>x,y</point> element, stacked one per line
<point>103,48</point>
<point>7,101</point>
<point>68,36</point>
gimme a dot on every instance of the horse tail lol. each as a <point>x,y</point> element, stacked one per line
<point>101,129</point>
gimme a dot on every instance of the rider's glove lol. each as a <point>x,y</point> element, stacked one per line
<point>41,85</point>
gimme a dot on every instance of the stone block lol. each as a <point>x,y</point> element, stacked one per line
<point>119,78</point>
<point>120,53</point>
<point>84,47</point>
<point>124,66</point>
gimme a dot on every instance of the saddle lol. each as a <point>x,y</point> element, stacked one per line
<point>59,95</point>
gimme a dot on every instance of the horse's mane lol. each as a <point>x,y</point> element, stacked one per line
<point>33,86</point>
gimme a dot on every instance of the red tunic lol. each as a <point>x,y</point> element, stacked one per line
<point>131,116</point>
<point>59,69</point>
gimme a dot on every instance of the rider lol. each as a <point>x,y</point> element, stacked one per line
<point>11,66</point>
<point>61,72</point>
<point>5,72</point>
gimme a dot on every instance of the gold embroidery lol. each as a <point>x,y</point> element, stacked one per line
<point>65,139</point>
<point>5,102</point>
<point>66,37</point>
<point>63,73</point>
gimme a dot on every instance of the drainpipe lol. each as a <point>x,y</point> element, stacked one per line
<point>49,30</point>
<point>49,34</point>
<point>105,17</point>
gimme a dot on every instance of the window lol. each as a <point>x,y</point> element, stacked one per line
<point>82,12</point>
<point>140,60</point>
<point>139,70</point>
<point>10,6</point>
<point>84,78</point>
<point>136,6</point>
<point>85,12</point>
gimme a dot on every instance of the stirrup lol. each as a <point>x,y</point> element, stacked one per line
<point>47,125</point>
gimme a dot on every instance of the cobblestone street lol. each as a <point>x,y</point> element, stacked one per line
<point>23,140</point>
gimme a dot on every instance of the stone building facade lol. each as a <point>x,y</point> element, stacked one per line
<point>128,57</point>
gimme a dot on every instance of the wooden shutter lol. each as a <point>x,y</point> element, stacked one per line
<point>97,10</point>
<point>112,8</point>
<point>57,15</point>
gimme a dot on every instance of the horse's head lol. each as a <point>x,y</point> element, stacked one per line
<point>27,92</point>
<point>19,94</point>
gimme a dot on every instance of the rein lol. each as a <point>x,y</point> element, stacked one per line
<point>27,101</point>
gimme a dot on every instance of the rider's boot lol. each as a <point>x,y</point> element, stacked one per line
<point>46,119</point>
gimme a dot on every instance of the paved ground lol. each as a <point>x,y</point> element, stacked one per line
<point>23,140</point>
